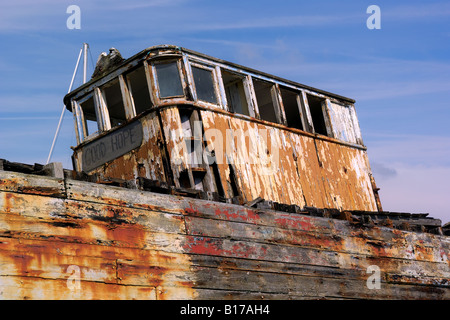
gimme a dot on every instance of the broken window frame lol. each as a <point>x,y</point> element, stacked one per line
<point>274,96</point>
<point>303,118</point>
<point>128,89</point>
<point>247,92</point>
<point>325,115</point>
<point>215,82</point>
<point>103,104</point>
<point>81,124</point>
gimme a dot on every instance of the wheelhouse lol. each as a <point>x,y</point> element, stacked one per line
<point>185,120</point>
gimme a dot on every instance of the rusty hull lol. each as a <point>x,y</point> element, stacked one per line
<point>69,239</point>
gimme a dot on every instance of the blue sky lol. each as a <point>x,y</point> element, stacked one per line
<point>399,75</point>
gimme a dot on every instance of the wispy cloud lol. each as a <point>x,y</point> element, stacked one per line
<point>424,150</point>
<point>11,105</point>
<point>133,5</point>
<point>417,11</point>
<point>382,170</point>
<point>276,22</point>
<point>417,189</point>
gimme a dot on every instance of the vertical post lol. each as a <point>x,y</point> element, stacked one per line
<point>85,48</point>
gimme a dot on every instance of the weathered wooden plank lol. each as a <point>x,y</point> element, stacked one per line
<point>31,184</point>
<point>273,218</point>
<point>47,207</point>
<point>56,266</point>
<point>418,280</point>
<point>29,204</point>
<point>151,220</point>
<point>342,234</point>
<point>359,265</point>
<point>259,251</point>
<point>165,293</point>
<point>25,288</point>
<point>87,232</point>
<point>360,254</point>
<point>353,245</point>
<point>319,287</point>
<point>91,192</point>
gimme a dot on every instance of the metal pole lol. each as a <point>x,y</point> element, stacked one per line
<point>64,107</point>
<point>85,48</point>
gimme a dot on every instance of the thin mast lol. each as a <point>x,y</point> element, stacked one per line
<point>70,89</point>
<point>85,48</point>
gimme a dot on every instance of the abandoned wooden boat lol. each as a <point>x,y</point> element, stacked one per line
<point>196,178</point>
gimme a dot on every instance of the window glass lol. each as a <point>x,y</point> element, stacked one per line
<point>204,84</point>
<point>291,108</point>
<point>137,82</point>
<point>169,81</point>
<point>114,102</point>
<point>264,98</point>
<point>234,90</point>
<point>90,118</point>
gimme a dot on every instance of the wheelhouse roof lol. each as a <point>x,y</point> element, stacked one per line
<point>180,50</point>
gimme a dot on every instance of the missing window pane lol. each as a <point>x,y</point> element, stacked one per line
<point>204,84</point>
<point>235,92</point>
<point>169,80</point>
<point>137,82</point>
<point>264,98</point>
<point>89,115</point>
<point>315,107</point>
<point>114,103</point>
<point>291,108</point>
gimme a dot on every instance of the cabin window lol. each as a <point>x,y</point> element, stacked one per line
<point>235,92</point>
<point>204,84</point>
<point>89,123</point>
<point>263,92</point>
<point>291,108</point>
<point>169,81</point>
<point>316,107</point>
<point>137,83</point>
<point>114,102</point>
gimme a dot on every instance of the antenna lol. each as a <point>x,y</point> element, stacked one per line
<point>85,49</point>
